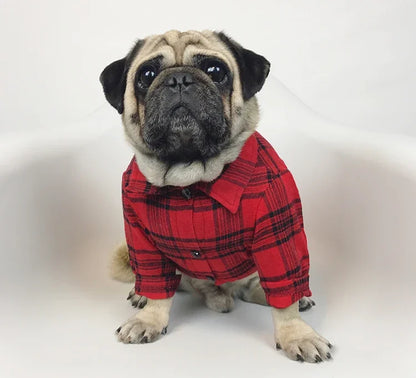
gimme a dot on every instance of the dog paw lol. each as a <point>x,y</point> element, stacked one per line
<point>136,300</point>
<point>300,342</point>
<point>220,302</point>
<point>137,331</point>
<point>305,304</point>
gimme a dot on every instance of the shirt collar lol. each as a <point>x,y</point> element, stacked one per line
<point>228,188</point>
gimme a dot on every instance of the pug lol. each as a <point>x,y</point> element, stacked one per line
<point>209,206</point>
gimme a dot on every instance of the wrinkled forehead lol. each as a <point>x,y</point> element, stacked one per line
<point>179,48</point>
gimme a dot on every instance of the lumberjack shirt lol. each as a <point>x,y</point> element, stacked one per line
<point>248,219</point>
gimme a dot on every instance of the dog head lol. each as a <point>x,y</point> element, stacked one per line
<point>187,103</point>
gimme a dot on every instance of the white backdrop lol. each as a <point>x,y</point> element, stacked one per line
<point>351,60</point>
<point>62,154</point>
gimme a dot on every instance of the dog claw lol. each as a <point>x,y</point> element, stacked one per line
<point>164,331</point>
<point>278,346</point>
<point>318,358</point>
<point>299,358</point>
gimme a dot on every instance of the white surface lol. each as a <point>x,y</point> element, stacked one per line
<point>60,172</point>
<point>61,217</point>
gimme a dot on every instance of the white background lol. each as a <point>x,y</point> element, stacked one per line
<point>351,60</point>
<point>62,154</point>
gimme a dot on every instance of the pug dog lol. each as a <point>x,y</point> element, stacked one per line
<point>209,206</point>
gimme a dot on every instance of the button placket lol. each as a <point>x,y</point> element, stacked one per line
<point>196,253</point>
<point>203,223</point>
<point>193,253</point>
<point>198,259</point>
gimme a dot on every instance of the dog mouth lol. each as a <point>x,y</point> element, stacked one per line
<point>182,113</point>
<point>186,128</point>
<point>180,110</point>
<point>184,139</point>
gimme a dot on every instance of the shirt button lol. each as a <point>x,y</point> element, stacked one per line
<point>187,193</point>
<point>210,278</point>
<point>196,254</point>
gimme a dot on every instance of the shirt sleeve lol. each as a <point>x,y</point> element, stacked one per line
<point>279,246</point>
<point>156,276</point>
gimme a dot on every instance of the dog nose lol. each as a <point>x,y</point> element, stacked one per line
<point>179,81</point>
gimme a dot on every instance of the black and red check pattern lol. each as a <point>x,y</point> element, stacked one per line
<point>249,219</point>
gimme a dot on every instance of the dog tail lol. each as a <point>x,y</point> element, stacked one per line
<point>120,268</point>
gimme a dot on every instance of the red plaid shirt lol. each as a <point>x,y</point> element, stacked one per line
<point>248,219</point>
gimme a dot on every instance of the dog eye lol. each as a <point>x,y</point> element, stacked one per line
<point>146,76</point>
<point>216,71</point>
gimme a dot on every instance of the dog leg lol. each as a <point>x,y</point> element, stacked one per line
<point>250,290</point>
<point>217,298</point>
<point>148,324</point>
<point>297,339</point>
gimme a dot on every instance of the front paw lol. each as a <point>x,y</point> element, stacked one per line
<point>306,304</point>
<point>136,300</point>
<point>138,331</point>
<point>300,342</point>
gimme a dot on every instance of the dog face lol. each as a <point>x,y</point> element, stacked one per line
<point>184,116</point>
<point>186,98</point>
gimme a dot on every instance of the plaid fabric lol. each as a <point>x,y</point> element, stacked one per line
<point>249,219</point>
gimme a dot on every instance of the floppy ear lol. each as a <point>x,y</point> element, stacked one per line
<point>113,78</point>
<point>254,68</point>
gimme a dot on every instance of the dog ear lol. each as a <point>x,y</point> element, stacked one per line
<point>254,68</point>
<point>113,78</point>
